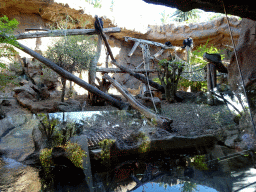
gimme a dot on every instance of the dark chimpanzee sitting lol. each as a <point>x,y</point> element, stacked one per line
<point>187,42</point>
<point>97,27</point>
<point>168,43</point>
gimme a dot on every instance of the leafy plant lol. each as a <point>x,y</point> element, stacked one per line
<point>189,187</point>
<point>145,142</point>
<point>56,132</point>
<point>181,16</point>
<point>73,53</point>
<point>200,162</point>
<point>105,148</point>
<point>46,159</point>
<point>74,153</point>
<point>197,59</point>
<point>169,74</point>
<point>7,39</point>
<point>165,17</point>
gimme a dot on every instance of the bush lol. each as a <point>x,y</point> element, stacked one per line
<point>74,153</point>
<point>73,53</point>
<point>197,58</point>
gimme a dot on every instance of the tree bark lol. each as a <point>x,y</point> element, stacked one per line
<point>68,32</point>
<point>65,74</point>
<point>93,67</point>
<point>161,121</point>
<point>63,82</point>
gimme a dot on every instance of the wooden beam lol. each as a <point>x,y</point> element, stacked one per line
<point>133,48</point>
<point>117,70</point>
<point>68,32</point>
<point>149,42</point>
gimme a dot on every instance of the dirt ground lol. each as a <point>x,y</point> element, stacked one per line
<point>189,118</point>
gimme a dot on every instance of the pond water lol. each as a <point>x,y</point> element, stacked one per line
<point>141,157</point>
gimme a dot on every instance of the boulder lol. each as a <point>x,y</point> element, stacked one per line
<point>68,106</point>
<point>246,53</point>
<point>44,93</point>
<point>6,103</point>
<point>30,103</point>
<point>29,90</point>
<point>64,171</point>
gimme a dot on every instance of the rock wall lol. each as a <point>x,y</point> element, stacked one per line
<point>47,13</point>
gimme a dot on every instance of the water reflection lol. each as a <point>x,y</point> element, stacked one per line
<point>141,158</point>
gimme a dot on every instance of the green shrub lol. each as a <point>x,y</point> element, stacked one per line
<point>74,153</point>
<point>105,148</point>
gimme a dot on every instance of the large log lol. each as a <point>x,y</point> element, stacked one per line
<point>71,77</point>
<point>161,121</point>
<point>68,32</point>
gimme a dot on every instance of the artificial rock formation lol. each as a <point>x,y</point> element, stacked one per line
<point>45,14</point>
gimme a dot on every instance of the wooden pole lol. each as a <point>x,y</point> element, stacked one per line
<point>68,32</point>
<point>71,77</point>
<point>211,82</point>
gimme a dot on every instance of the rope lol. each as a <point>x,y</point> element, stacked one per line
<point>238,66</point>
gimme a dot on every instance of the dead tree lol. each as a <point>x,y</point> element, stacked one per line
<point>169,75</point>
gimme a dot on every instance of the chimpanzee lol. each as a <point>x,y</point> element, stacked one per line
<point>188,42</point>
<point>97,27</point>
<point>168,43</point>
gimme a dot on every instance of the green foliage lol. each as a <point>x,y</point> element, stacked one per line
<point>181,16</point>
<point>74,153</point>
<point>46,159</point>
<point>6,79</point>
<point>165,17</point>
<point>169,74</point>
<point>145,142</point>
<point>7,28</point>
<point>200,162</point>
<point>73,53</point>
<point>105,148</point>
<point>197,59</point>
<point>95,3</point>
<point>189,187</point>
<point>197,55</point>
<point>56,132</point>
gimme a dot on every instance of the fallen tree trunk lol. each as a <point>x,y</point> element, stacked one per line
<point>71,77</point>
<point>162,122</point>
<point>68,32</point>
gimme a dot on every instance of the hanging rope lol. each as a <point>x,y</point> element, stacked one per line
<point>239,69</point>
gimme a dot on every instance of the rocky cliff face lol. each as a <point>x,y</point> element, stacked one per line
<point>49,13</point>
